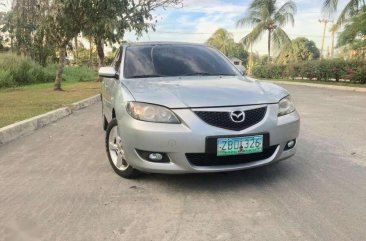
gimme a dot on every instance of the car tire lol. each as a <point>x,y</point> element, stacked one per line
<point>115,152</point>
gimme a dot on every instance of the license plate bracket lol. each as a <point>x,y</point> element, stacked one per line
<point>233,146</point>
<point>212,141</point>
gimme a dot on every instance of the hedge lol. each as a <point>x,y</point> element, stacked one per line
<point>328,69</point>
<point>17,71</point>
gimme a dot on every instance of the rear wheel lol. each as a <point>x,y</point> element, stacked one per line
<point>116,154</point>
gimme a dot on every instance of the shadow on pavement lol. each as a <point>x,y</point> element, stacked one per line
<point>228,181</point>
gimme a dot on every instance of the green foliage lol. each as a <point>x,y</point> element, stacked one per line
<point>325,70</point>
<point>300,49</point>
<point>269,71</point>
<point>24,30</point>
<point>350,9</point>
<point>80,74</point>
<point>109,20</point>
<point>354,33</point>
<point>74,73</point>
<point>16,71</point>
<point>268,16</point>
<point>337,68</point>
<point>292,70</point>
<point>359,74</point>
<point>223,41</point>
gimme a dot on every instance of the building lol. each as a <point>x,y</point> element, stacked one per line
<point>236,61</point>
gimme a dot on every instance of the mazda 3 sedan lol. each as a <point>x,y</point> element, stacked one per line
<point>185,108</point>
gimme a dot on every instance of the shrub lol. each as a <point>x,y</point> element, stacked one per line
<point>337,69</point>
<point>270,71</point>
<point>309,70</point>
<point>16,71</point>
<point>292,71</point>
<point>6,79</point>
<point>359,76</point>
<point>327,69</point>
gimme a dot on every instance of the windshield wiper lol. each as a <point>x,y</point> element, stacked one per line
<point>146,76</point>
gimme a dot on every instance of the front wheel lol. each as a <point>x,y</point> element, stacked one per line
<point>116,154</point>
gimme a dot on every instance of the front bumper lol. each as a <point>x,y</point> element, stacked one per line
<point>190,137</point>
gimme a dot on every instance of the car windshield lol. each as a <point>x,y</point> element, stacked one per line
<point>174,60</point>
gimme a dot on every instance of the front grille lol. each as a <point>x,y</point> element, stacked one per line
<point>223,120</point>
<point>205,159</point>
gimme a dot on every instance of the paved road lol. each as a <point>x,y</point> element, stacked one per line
<point>56,184</point>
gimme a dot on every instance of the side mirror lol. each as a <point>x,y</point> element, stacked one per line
<point>241,69</point>
<point>108,72</point>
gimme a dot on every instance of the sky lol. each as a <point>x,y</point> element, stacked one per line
<point>198,19</point>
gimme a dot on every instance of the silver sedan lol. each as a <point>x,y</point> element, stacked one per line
<point>185,108</point>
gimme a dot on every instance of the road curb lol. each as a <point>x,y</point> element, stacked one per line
<point>25,127</point>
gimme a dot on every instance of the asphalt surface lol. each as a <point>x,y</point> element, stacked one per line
<point>56,184</point>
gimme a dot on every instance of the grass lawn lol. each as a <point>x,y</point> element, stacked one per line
<point>322,82</point>
<point>17,104</point>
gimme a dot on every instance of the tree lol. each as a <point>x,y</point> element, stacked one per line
<point>238,50</point>
<point>222,40</point>
<point>354,33</point>
<point>265,15</point>
<point>23,25</point>
<point>63,22</point>
<point>107,21</point>
<point>300,49</point>
<point>352,8</point>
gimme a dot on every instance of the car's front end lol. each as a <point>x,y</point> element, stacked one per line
<point>190,145</point>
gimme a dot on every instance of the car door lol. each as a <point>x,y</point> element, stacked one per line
<point>109,85</point>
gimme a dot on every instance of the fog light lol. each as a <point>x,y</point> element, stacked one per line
<point>290,144</point>
<point>155,157</point>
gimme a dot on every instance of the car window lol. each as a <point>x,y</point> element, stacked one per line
<point>116,64</point>
<point>174,60</point>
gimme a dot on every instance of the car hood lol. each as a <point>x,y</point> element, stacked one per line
<point>191,92</point>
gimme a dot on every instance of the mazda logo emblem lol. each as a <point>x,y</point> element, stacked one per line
<point>237,116</point>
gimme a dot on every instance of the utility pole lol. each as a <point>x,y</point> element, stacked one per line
<point>324,21</point>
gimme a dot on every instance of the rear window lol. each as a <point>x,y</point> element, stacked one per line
<point>174,60</point>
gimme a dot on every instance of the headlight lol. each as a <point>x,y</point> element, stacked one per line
<point>285,106</point>
<point>151,113</point>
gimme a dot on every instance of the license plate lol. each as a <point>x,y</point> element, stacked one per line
<point>239,145</point>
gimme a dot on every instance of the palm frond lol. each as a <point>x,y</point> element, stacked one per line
<point>270,5</point>
<point>247,21</point>
<point>253,36</point>
<point>330,6</point>
<point>285,13</point>
<point>280,38</point>
<point>351,6</point>
<point>288,7</point>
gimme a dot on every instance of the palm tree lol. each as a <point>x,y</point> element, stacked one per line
<point>333,29</point>
<point>265,15</point>
<point>222,40</point>
<point>247,43</point>
<point>351,8</point>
